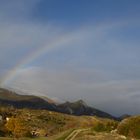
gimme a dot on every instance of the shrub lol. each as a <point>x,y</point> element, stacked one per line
<point>17,127</point>
<point>130,127</point>
<point>105,125</point>
<point>99,127</point>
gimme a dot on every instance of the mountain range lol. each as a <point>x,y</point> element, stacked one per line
<point>78,108</point>
<point>81,108</point>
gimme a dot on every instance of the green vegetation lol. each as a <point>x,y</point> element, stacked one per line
<point>17,127</point>
<point>66,134</point>
<point>41,123</point>
<point>105,125</point>
<point>130,127</point>
<point>32,123</point>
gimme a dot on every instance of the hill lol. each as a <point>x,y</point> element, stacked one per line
<point>78,108</point>
<point>81,108</point>
<point>130,127</point>
<point>11,98</point>
<point>46,123</point>
<point>31,116</point>
<point>124,116</point>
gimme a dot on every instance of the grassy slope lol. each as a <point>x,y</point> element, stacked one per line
<point>52,122</point>
<point>56,124</point>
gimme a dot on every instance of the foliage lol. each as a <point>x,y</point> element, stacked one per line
<point>130,127</point>
<point>105,125</point>
<point>17,127</point>
<point>24,122</point>
<point>3,130</point>
<point>66,134</point>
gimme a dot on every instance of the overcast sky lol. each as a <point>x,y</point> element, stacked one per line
<point>73,49</point>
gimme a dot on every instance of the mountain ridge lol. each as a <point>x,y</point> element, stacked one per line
<point>81,108</point>
<point>77,108</point>
<point>24,101</point>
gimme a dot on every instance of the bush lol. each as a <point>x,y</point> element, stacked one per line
<point>130,127</point>
<point>105,125</point>
<point>99,127</point>
<point>17,127</point>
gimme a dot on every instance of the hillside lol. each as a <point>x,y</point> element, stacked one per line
<point>31,116</point>
<point>130,127</point>
<point>47,123</point>
<point>43,124</point>
<point>24,101</point>
<point>81,108</point>
<point>78,108</point>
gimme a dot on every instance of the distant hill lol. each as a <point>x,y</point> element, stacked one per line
<point>122,117</point>
<point>78,108</point>
<point>81,108</point>
<point>24,101</point>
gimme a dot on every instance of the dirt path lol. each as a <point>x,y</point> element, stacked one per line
<point>75,133</point>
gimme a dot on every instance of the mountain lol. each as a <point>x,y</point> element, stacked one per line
<point>8,97</point>
<point>48,100</point>
<point>81,108</point>
<point>24,101</point>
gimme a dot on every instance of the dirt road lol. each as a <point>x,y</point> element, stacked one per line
<point>75,133</point>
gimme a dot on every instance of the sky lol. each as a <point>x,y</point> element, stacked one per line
<point>73,49</point>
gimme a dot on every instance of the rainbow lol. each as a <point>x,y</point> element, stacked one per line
<point>53,44</point>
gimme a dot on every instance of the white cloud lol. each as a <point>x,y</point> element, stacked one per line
<point>73,85</point>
